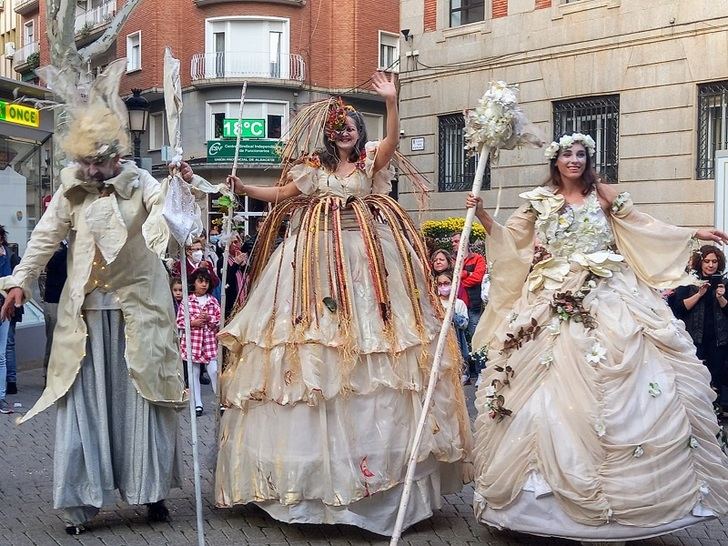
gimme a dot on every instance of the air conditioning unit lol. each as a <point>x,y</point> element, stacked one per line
<point>9,50</point>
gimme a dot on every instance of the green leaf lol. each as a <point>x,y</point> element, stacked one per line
<point>330,304</point>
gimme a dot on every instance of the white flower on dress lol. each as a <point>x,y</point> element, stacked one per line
<point>554,327</point>
<point>654,390</point>
<point>596,354</point>
<point>490,391</point>
<point>549,274</point>
<point>600,428</point>
<point>512,317</point>
<point>620,201</point>
<point>693,442</point>
<point>547,359</point>
<point>601,263</point>
<point>638,452</point>
<point>704,489</point>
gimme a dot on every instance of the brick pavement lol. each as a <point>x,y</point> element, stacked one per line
<point>27,518</point>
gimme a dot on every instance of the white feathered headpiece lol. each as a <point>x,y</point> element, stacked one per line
<point>94,126</point>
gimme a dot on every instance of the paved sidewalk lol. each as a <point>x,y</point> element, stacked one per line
<point>27,517</point>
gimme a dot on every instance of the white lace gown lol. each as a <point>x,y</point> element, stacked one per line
<point>595,418</point>
<point>322,413</point>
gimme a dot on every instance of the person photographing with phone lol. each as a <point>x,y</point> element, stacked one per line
<point>704,309</point>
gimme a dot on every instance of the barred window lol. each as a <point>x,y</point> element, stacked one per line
<point>712,125</point>
<point>455,170</point>
<point>463,12</point>
<point>597,117</point>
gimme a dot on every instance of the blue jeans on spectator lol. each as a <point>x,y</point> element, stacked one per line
<point>4,328</point>
<point>473,319</point>
<point>10,355</point>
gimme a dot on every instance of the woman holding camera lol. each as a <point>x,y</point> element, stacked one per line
<point>704,309</point>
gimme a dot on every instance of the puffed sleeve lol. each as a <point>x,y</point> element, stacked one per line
<point>304,177</point>
<point>657,252</point>
<point>509,249</point>
<point>382,179</point>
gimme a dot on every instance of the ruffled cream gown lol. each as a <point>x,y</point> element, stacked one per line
<point>330,361</point>
<point>595,417</point>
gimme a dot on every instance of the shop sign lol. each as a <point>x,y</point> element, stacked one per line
<point>255,151</point>
<point>252,128</point>
<point>19,115</point>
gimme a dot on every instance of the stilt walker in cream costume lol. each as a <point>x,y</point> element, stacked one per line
<point>114,370</point>
<point>595,418</point>
<point>330,357</point>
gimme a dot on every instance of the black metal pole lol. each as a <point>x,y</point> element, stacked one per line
<point>137,149</point>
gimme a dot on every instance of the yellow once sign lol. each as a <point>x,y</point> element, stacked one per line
<point>19,115</point>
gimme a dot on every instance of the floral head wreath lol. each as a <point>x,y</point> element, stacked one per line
<point>567,141</point>
<point>336,118</point>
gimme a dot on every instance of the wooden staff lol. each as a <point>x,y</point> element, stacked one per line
<point>441,340</point>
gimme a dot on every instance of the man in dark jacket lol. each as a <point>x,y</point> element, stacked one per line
<point>55,279</point>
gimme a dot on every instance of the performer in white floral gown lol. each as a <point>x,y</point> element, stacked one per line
<point>330,355</point>
<point>595,419</point>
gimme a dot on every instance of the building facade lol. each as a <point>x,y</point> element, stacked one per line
<point>648,80</point>
<point>26,152</point>
<point>290,53</point>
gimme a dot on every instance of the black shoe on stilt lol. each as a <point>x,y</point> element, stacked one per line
<point>157,511</point>
<point>75,529</point>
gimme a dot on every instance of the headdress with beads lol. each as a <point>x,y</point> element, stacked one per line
<point>336,117</point>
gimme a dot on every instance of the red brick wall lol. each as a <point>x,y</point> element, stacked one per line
<point>339,39</point>
<point>540,4</point>
<point>430,20</point>
<point>500,8</point>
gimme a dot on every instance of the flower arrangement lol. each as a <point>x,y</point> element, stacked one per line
<point>620,201</point>
<point>336,118</point>
<point>494,402</point>
<point>569,305</point>
<point>497,122</point>
<point>567,141</point>
<point>449,227</point>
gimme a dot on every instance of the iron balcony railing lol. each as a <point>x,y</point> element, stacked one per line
<point>712,126</point>
<point>95,17</point>
<point>247,64</point>
<point>456,169</point>
<point>599,118</point>
<point>21,55</point>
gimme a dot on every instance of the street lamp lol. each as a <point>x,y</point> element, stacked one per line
<point>138,110</point>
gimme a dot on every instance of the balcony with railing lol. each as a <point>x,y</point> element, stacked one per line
<point>26,56</point>
<point>95,18</point>
<point>234,65</point>
<point>24,7</point>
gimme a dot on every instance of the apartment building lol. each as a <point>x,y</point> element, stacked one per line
<point>648,80</point>
<point>290,53</point>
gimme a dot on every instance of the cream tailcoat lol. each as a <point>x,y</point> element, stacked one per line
<point>115,244</point>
